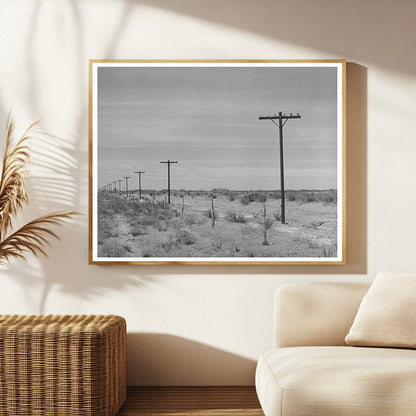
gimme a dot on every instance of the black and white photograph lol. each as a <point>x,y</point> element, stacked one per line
<point>217,162</point>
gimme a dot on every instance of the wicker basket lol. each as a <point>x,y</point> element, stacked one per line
<point>54,365</point>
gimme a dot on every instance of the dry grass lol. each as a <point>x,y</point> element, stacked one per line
<point>145,229</point>
<point>34,236</point>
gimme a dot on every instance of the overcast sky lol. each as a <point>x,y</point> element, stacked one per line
<point>207,119</point>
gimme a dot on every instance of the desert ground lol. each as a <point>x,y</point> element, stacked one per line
<point>217,223</point>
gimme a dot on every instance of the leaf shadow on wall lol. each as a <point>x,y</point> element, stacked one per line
<point>54,187</point>
<point>164,359</point>
<point>60,182</point>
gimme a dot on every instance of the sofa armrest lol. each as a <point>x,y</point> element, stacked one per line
<point>309,314</point>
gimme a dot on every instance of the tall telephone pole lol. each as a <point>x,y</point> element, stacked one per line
<point>127,185</point>
<point>280,124</point>
<point>168,163</point>
<point>139,177</point>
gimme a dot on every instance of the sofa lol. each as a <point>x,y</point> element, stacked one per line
<point>312,371</point>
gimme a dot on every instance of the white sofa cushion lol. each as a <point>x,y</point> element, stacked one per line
<point>341,381</point>
<point>315,313</point>
<point>387,314</point>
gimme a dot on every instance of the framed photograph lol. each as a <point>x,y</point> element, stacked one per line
<point>217,162</point>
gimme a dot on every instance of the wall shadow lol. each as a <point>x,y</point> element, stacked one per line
<point>338,28</point>
<point>59,181</point>
<point>54,187</point>
<point>69,183</point>
<point>169,360</point>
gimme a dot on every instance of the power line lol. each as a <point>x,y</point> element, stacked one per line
<point>168,163</point>
<point>127,185</point>
<point>280,125</point>
<point>310,103</point>
<point>139,178</point>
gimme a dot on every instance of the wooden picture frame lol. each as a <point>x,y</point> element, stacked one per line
<point>217,162</point>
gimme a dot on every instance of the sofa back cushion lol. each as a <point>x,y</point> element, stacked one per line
<point>309,314</point>
<point>387,314</point>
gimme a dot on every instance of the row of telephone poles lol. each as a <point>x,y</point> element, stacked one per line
<point>112,187</point>
<point>279,120</point>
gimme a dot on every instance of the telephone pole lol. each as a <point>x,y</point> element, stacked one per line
<point>168,163</point>
<point>127,185</point>
<point>139,177</point>
<point>280,124</point>
<point>119,184</point>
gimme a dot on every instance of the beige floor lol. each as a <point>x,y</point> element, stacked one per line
<point>195,401</point>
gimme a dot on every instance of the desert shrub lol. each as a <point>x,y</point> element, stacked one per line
<point>166,245</point>
<point>329,197</point>
<point>290,196</point>
<point>253,197</point>
<point>145,207</point>
<point>185,237</point>
<point>191,219</point>
<point>305,196</point>
<point>261,197</point>
<point>106,229</point>
<point>309,197</point>
<point>110,205</point>
<point>268,223</point>
<point>128,248</point>
<point>277,216</point>
<point>208,213</point>
<point>160,247</point>
<point>220,191</point>
<point>160,225</point>
<point>231,197</point>
<point>217,244</point>
<point>328,251</point>
<point>170,213</point>
<point>306,241</point>
<point>273,195</point>
<point>232,216</point>
<point>111,248</point>
<point>245,199</point>
<point>175,224</point>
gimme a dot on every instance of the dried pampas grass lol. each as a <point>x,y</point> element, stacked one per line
<point>34,236</point>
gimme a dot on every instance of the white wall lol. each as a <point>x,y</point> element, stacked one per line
<point>204,325</point>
